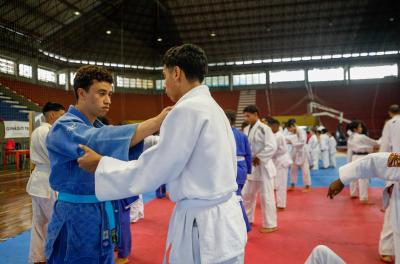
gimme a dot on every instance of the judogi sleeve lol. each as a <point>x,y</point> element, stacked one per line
<point>116,179</point>
<point>248,157</point>
<point>374,165</point>
<point>106,140</point>
<point>385,140</point>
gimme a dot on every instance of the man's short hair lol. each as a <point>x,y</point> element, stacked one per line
<point>231,115</point>
<point>291,122</point>
<point>50,106</point>
<point>87,74</point>
<point>251,109</point>
<point>272,121</point>
<point>191,59</point>
<point>394,109</point>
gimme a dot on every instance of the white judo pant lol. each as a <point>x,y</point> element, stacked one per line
<point>325,159</point>
<point>332,160</point>
<point>137,210</point>
<point>359,187</point>
<point>323,255</point>
<point>42,208</point>
<point>305,170</point>
<point>281,186</point>
<point>250,192</point>
<point>386,241</point>
<point>315,159</point>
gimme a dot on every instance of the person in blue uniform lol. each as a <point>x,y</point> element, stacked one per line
<point>244,160</point>
<point>82,229</point>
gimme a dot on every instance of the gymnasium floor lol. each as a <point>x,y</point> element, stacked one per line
<point>349,228</point>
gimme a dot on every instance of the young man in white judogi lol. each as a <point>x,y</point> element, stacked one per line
<point>196,158</point>
<point>261,180</point>
<point>324,146</point>
<point>282,161</point>
<point>43,197</point>
<point>313,146</point>
<point>360,145</point>
<point>390,142</point>
<point>382,165</point>
<point>300,156</point>
<point>332,150</point>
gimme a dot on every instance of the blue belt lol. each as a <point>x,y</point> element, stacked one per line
<point>83,199</point>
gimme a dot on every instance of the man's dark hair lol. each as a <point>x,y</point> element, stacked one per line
<point>87,74</point>
<point>231,115</point>
<point>394,109</point>
<point>272,121</point>
<point>191,59</point>
<point>251,109</point>
<point>50,106</point>
<point>291,122</point>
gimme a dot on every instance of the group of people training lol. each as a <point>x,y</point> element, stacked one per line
<point>95,172</point>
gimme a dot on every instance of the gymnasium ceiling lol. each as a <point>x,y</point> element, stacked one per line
<point>228,30</point>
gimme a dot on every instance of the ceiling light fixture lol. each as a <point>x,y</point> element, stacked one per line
<point>77,13</point>
<point>108,32</point>
<point>159,39</point>
<point>213,34</point>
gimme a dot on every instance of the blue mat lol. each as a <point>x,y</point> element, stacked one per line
<point>15,250</point>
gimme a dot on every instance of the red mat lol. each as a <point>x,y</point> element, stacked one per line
<point>347,227</point>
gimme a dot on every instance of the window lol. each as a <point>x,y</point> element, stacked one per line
<point>250,79</point>
<point>61,79</point>
<point>25,70</point>
<point>7,66</point>
<point>373,72</point>
<point>216,81</point>
<point>321,75</point>
<point>72,77</point>
<point>160,84</point>
<point>46,75</point>
<point>286,76</point>
<point>127,82</point>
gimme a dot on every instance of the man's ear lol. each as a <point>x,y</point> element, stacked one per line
<point>81,93</point>
<point>177,73</point>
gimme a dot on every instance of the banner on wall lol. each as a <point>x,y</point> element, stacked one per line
<point>16,129</point>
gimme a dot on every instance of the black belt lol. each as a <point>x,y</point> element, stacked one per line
<point>360,153</point>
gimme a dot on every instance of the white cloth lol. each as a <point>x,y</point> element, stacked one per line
<point>305,171</point>
<point>265,188</point>
<point>196,157</point>
<point>332,151</point>
<point>282,161</point>
<point>324,146</point>
<point>137,210</point>
<point>42,209</point>
<point>314,151</point>
<point>386,243</point>
<point>299,151</point>
<point>263,146</point>
<point>360,143</point>
<point>38,183</point>
<point>323,255</point>
<point>375,166</point>
<point>261,181</point>
<point>390,140</point>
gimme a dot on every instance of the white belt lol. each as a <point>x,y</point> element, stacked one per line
<point>240,158</point>
<point>196,203</point>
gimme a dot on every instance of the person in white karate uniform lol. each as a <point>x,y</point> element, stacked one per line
<point>196,158</point>
<point>313,146</point>
<point>261,180</point>
<point>360,145</point>
<point>43,197</point>
<point>332,150</point>
<point>300,156</point>
<point>384,165</point>
<point>390,142</point>
<point>282,162</point>
<point>324,146</point>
